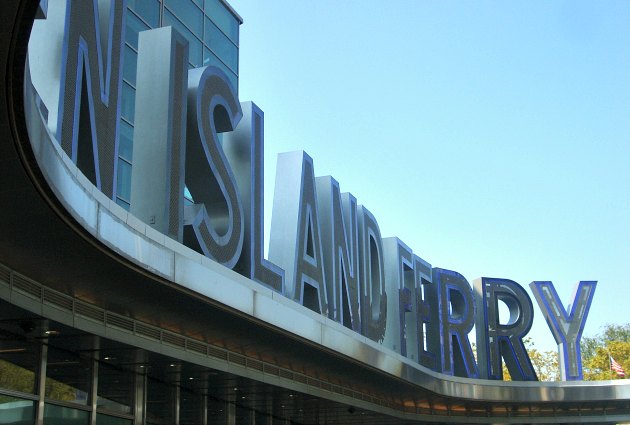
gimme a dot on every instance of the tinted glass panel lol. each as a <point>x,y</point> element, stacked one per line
<point>58,415</point>
<point>128,102</point>
<point>223,18</point>
<point>158,407</point>
<point>111,420</point>
<point>134,26</point>
<point>124,180</point>
<point>18,364</point>
<point>130,65</point>
<point>217,412</point>
<point>125,147</point>
<point>149,10</point>
<point>68,377</point>
<point>221,46</point>
<point>115,388</point>
<point>16,411</point>
<point>210,58</point>
<point>123,204</point>
<point>188,196</point>
<point>188,13</point>
<point>190,409</point>
<point>195,45</point>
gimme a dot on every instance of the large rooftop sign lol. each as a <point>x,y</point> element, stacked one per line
<point>326,251</point>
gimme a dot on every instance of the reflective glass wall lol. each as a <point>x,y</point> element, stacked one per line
<point>211,29</point>
<point>19,369</point>
<point>71,386</point>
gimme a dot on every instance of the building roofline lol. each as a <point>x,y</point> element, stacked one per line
<point>232,11</point>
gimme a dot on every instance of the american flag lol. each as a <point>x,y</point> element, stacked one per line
<point>617,368</point>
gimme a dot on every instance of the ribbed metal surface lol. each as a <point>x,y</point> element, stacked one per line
<point>283,373</point>
<point>196,346</point>
<point>148,331</point>
<point>27,286</point>
<point>90,311</point>
<point>172,339</point>
<point>254,364</point>
<point>237,359</point>
<point>119,321</point>
<point>5,275</point>
<point>272,370</point>
<point>217,352</point>
<point>57,299</point>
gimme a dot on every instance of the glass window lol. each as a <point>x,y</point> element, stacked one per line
<point>128,102</point>
<point>194,49</point>
<point>149,10</point>
<point>123,204</point>
<point>210,58</point>
<point>130,65</point>
<point>16,410</point>
<point>217,412</point>
<point>58,415</point>
<point>125,145</point>
<point>223,18</point>
<point>221,46</point>
<point>134,26</point>
<point>19,362</point>
<point>188,13</point>
<point>115,388</point>
<point>190,408</point>
<point>159,410</point>
<point>188,199</point>
<point>111,420</point>
<point>123,189</point>
<point>243,414</point>
<point>68,377</point>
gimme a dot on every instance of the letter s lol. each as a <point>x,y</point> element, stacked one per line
<point>217,215</point>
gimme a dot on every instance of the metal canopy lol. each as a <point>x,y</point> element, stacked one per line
<point>58,276</point>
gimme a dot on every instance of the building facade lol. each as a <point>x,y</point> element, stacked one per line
<point>133,293</point>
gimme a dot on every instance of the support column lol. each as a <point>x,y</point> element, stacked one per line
<point>93,396</point>
<point>203,409</point>
<point>41,385</point>
<point>140,396</point>
<point>230,409</point>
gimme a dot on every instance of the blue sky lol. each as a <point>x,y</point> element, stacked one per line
<point>493,138</point>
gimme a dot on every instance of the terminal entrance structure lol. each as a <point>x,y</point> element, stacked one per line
<point>124,305</point>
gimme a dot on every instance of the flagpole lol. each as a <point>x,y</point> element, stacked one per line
<point>616,367</point>
<point>610,369</point>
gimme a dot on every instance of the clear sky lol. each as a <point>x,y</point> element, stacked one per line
<point>490,137</point>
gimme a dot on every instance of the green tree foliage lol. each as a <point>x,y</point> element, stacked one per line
<point>596,351</point>
<point>545,363</point>
<point>59,391</point>
<point>16,378</point>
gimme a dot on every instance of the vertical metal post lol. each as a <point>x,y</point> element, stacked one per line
<point>230,410</point>
<point>176,393</point>
<point>203,409</point>
<point>139,396</point>
<point>93,397</point>
<point>41,385</point>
